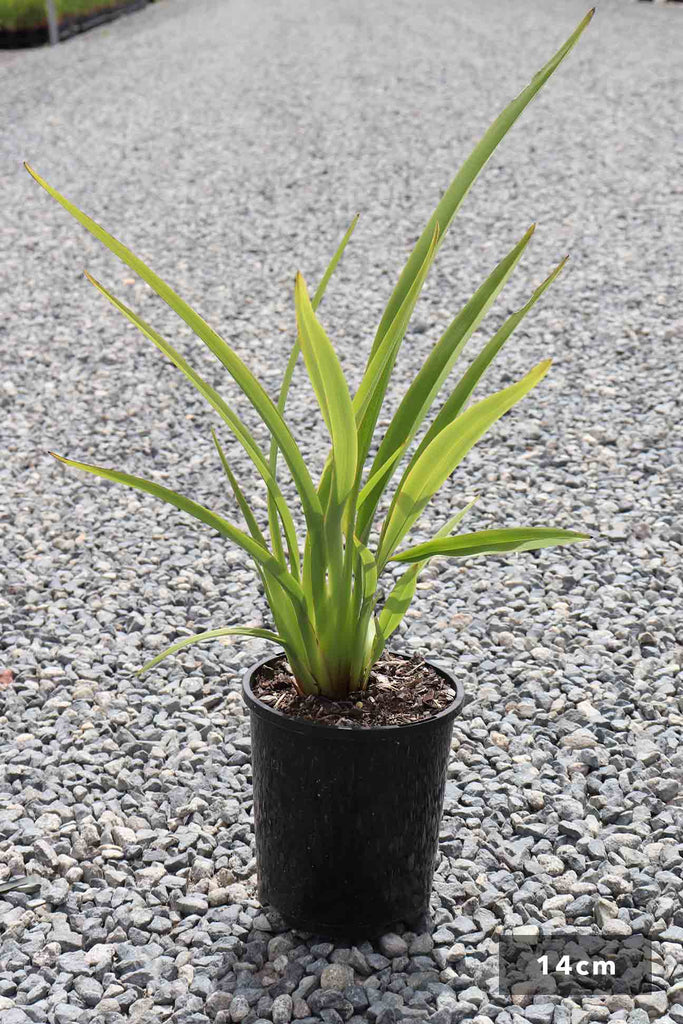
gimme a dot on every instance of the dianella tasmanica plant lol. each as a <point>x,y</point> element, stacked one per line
<point>324,595</point>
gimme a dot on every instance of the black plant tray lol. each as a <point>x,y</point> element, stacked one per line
<point>68,25</point>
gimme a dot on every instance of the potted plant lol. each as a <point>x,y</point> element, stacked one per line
<point>350,743</point>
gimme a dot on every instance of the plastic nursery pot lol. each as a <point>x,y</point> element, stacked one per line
<point>347,819</point>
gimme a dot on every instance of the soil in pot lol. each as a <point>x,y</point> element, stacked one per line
<point>400,691</point>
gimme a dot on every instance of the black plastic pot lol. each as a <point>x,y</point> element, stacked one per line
<point>347,819</point>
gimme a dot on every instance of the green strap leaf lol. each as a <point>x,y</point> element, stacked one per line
<point>460,395</point>
<point>332,266</point>
<point>401,596</point>
<point>372,481</point>
<point>419,397</point>
<point>238,428</point>
<point>367,401</point>
<point>212,634</point>
<point>249,517</point>
<point>378,643</point>
<point>240,373</point>
<point>298,637</point>
<point>205,515</point>
<point>489,542</point>
<point>331,391</point>
<point>443,455</point>
<point>368,573</point>
<point>291,363</point>
<point>462,182</point>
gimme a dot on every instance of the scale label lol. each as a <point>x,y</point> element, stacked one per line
<point>568,963</point>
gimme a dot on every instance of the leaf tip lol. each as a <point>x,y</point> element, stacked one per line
<point>60,458</point>
<point>36,177</point>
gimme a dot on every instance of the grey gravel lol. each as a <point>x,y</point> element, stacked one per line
<point>281,1010</point>
<point>392,945</point>
<point>230,145</point>
<point>336,976</point>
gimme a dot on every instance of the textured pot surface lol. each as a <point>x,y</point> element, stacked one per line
<point>347,820</point>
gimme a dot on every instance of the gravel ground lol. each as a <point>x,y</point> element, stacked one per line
<point>230,144</point>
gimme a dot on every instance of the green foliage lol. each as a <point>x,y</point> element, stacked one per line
<point>324,597</point>
<point>16,15</point>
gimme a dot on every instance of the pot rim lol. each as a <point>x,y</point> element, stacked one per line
<point>303,725</point>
